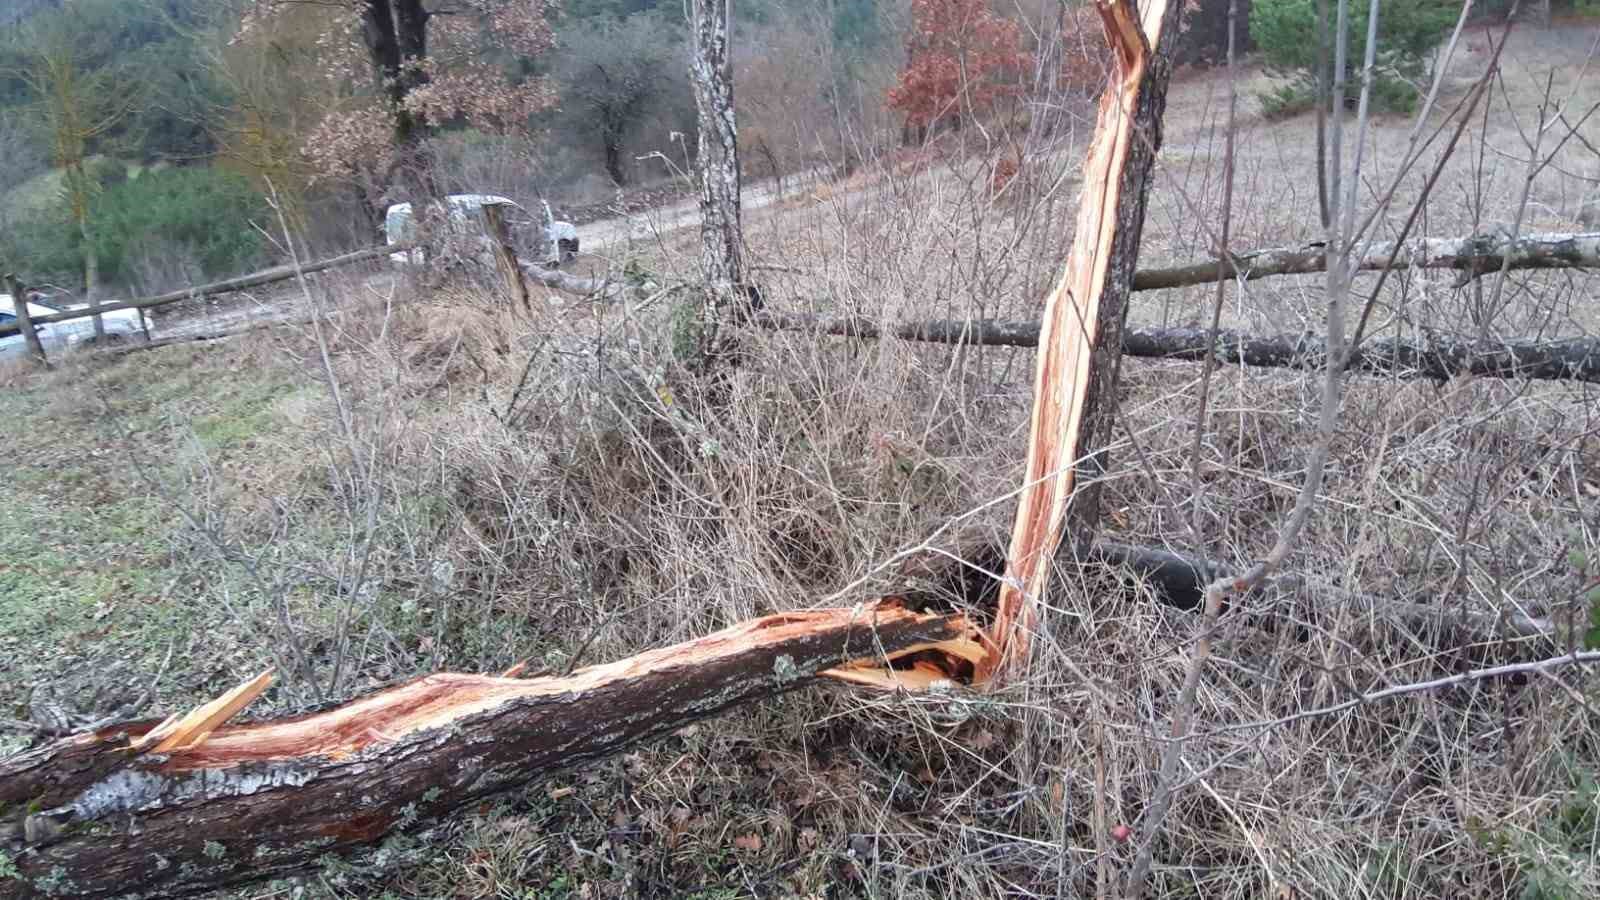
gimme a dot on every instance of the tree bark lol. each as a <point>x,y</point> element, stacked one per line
<point>721,236</point>
<point>613,155</point>
<point>1081,335</point>
<point>1472,256</point>
<point>1436,357</point>
<point>505,255</point>
<point>91,279</point>
<point>167,810</point>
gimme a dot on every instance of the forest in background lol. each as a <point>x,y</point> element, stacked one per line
<point>190,114</point>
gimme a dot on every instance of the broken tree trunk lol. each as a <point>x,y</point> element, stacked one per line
<point>505,255</point>
<point>191,805</point>
<point>721,236</point>
<point>1436,357</point>
<point>1081,336</point>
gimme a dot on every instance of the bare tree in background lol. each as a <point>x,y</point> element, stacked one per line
<point>721,238</point>
<point>428,64</point>
<point>614,76</point>
<point>77,106</point>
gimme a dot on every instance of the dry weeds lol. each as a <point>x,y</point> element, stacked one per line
<point>503,486</point>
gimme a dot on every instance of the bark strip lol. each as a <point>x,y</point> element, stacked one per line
<point>99,817</point>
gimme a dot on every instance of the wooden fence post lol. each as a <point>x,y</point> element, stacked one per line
<point>505,255</point>
<point>19,301</point>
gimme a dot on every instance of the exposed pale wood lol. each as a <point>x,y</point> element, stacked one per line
<point>505,255</point>
<point>191,730</point>
<point>253,801</point>
<point>1079,341</point>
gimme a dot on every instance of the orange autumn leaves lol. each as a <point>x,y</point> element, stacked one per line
<point>961,58</point>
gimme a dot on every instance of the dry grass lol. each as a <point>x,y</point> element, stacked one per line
<point>494,485</point>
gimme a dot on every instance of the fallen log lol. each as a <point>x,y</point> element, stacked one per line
<point>593,288</point>
<point>1472,256</point>
<point>1179,580</point>
<point>229,285</point>
<point>186,806</point>
<point>1436,357</point>
<point>193,804</point>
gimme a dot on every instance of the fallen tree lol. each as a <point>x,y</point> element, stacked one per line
<point>192,804</point>
<point>1179,581</point>
<point>229,285</point>
<point>219,804</point>
<point>1472,256</point>
<point>592,288</point>
<point>1437,357</point>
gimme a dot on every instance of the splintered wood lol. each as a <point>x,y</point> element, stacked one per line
<point>191,730</point>
<point>194,803</point>
<point>1066,342</point>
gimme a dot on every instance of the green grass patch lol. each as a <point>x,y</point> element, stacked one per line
<point>97,563</point>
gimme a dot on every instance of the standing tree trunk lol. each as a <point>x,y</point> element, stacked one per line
<point>612,143</point>
<point>395,33</point>
<point>505,254</point>
<point>721,239</point>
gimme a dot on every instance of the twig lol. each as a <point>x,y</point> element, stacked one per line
<point>1339,248</point>
<point>1537,667</point>
<point>1209,366</point>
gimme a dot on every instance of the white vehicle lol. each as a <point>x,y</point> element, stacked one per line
<point>557,241</point>
<point>55,336</point>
